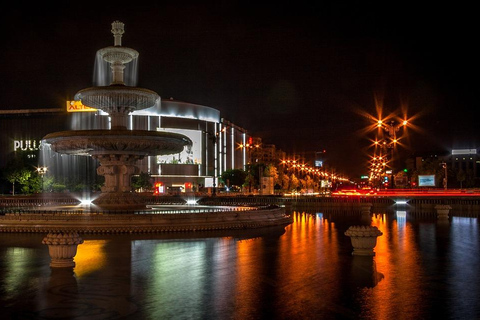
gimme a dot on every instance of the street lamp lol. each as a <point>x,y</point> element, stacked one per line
<point>444,166</point>
<point>42,171</point>
<point>392,128</point>
<point>252,149</point>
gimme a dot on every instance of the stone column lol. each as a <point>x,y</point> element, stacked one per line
<point>117,193</point>
<point>117,170</point>
<point>364,239</point>
<point>62,247</point>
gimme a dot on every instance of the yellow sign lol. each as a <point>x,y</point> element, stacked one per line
<point>77,106</point>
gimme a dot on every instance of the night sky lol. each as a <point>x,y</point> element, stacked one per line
<point>300,76</point>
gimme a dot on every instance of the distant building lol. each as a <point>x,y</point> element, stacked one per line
<point>465,160</point>
<point>457,161</point>
<point>261,152</point>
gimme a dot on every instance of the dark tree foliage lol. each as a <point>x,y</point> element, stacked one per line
<point>234,177</point>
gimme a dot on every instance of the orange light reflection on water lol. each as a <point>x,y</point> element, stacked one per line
<point>90,256</point>
<point>249,277</point>
<point>398,259</point>
<point>310,245</point>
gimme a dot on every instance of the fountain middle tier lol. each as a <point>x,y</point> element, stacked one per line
<point>138,142</point>
<point>117,151</point>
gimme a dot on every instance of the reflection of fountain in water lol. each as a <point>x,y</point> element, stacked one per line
<point>117,149</point>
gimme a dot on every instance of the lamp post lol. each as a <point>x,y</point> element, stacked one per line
<point>444,166</point>
<point>253,150</point>
<point>392,130</point>
<point>42,171</point>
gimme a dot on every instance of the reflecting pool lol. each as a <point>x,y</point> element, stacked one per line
<point>423,269</point>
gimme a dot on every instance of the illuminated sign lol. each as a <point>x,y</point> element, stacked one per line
<point>26,145</point>
<point>318,163</point>
<point>325,184</point>
<point>464,151</point>
<point>159,188</point>
<point>77,106</point>
<point>363,177</point>
<point>426,180</point>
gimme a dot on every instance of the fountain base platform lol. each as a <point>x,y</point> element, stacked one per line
<point>97,223</point>
<point>119,201</point>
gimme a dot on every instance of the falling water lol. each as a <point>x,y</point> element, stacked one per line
<point>89,120</point>
<point>102,74</point>
<point>70,172</point>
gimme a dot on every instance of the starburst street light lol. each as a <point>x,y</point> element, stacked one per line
<point>382,144</point>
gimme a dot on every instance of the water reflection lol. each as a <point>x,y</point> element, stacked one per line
<point>91,255</point>
<point>422,269</point>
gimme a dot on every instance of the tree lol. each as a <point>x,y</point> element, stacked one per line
<point>285,180</point>
<point>234,177</point>
<point>309,183</point>
<point>19,171</point>
<point>12,177</point>
<point>431,166</point>
<point>461,176</point>
<point>253,176</point>
<point>470,179</point>
<point>271,171</point>
<point>20,176</point>
<point>249,181</point>
<point>142,181</point>
<point>294,183</point>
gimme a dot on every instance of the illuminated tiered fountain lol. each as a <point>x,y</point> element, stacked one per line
<point>117,149</point>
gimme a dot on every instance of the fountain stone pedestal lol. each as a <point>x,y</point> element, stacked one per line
<point>62,247</point>
<point>117,192</point>
<point>364,239</point>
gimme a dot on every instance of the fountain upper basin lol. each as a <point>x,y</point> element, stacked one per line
<point>110,98</point>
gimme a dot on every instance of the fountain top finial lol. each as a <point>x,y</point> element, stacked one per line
<point>118,30</point>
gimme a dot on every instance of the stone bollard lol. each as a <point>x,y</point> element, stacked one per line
<point>364,239</point>
<point>442,211</point>
<point>62,247</point>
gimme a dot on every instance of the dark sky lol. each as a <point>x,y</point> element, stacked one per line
<point>301,76</point>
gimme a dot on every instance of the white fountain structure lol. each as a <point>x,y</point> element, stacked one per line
<point>117,149</point>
